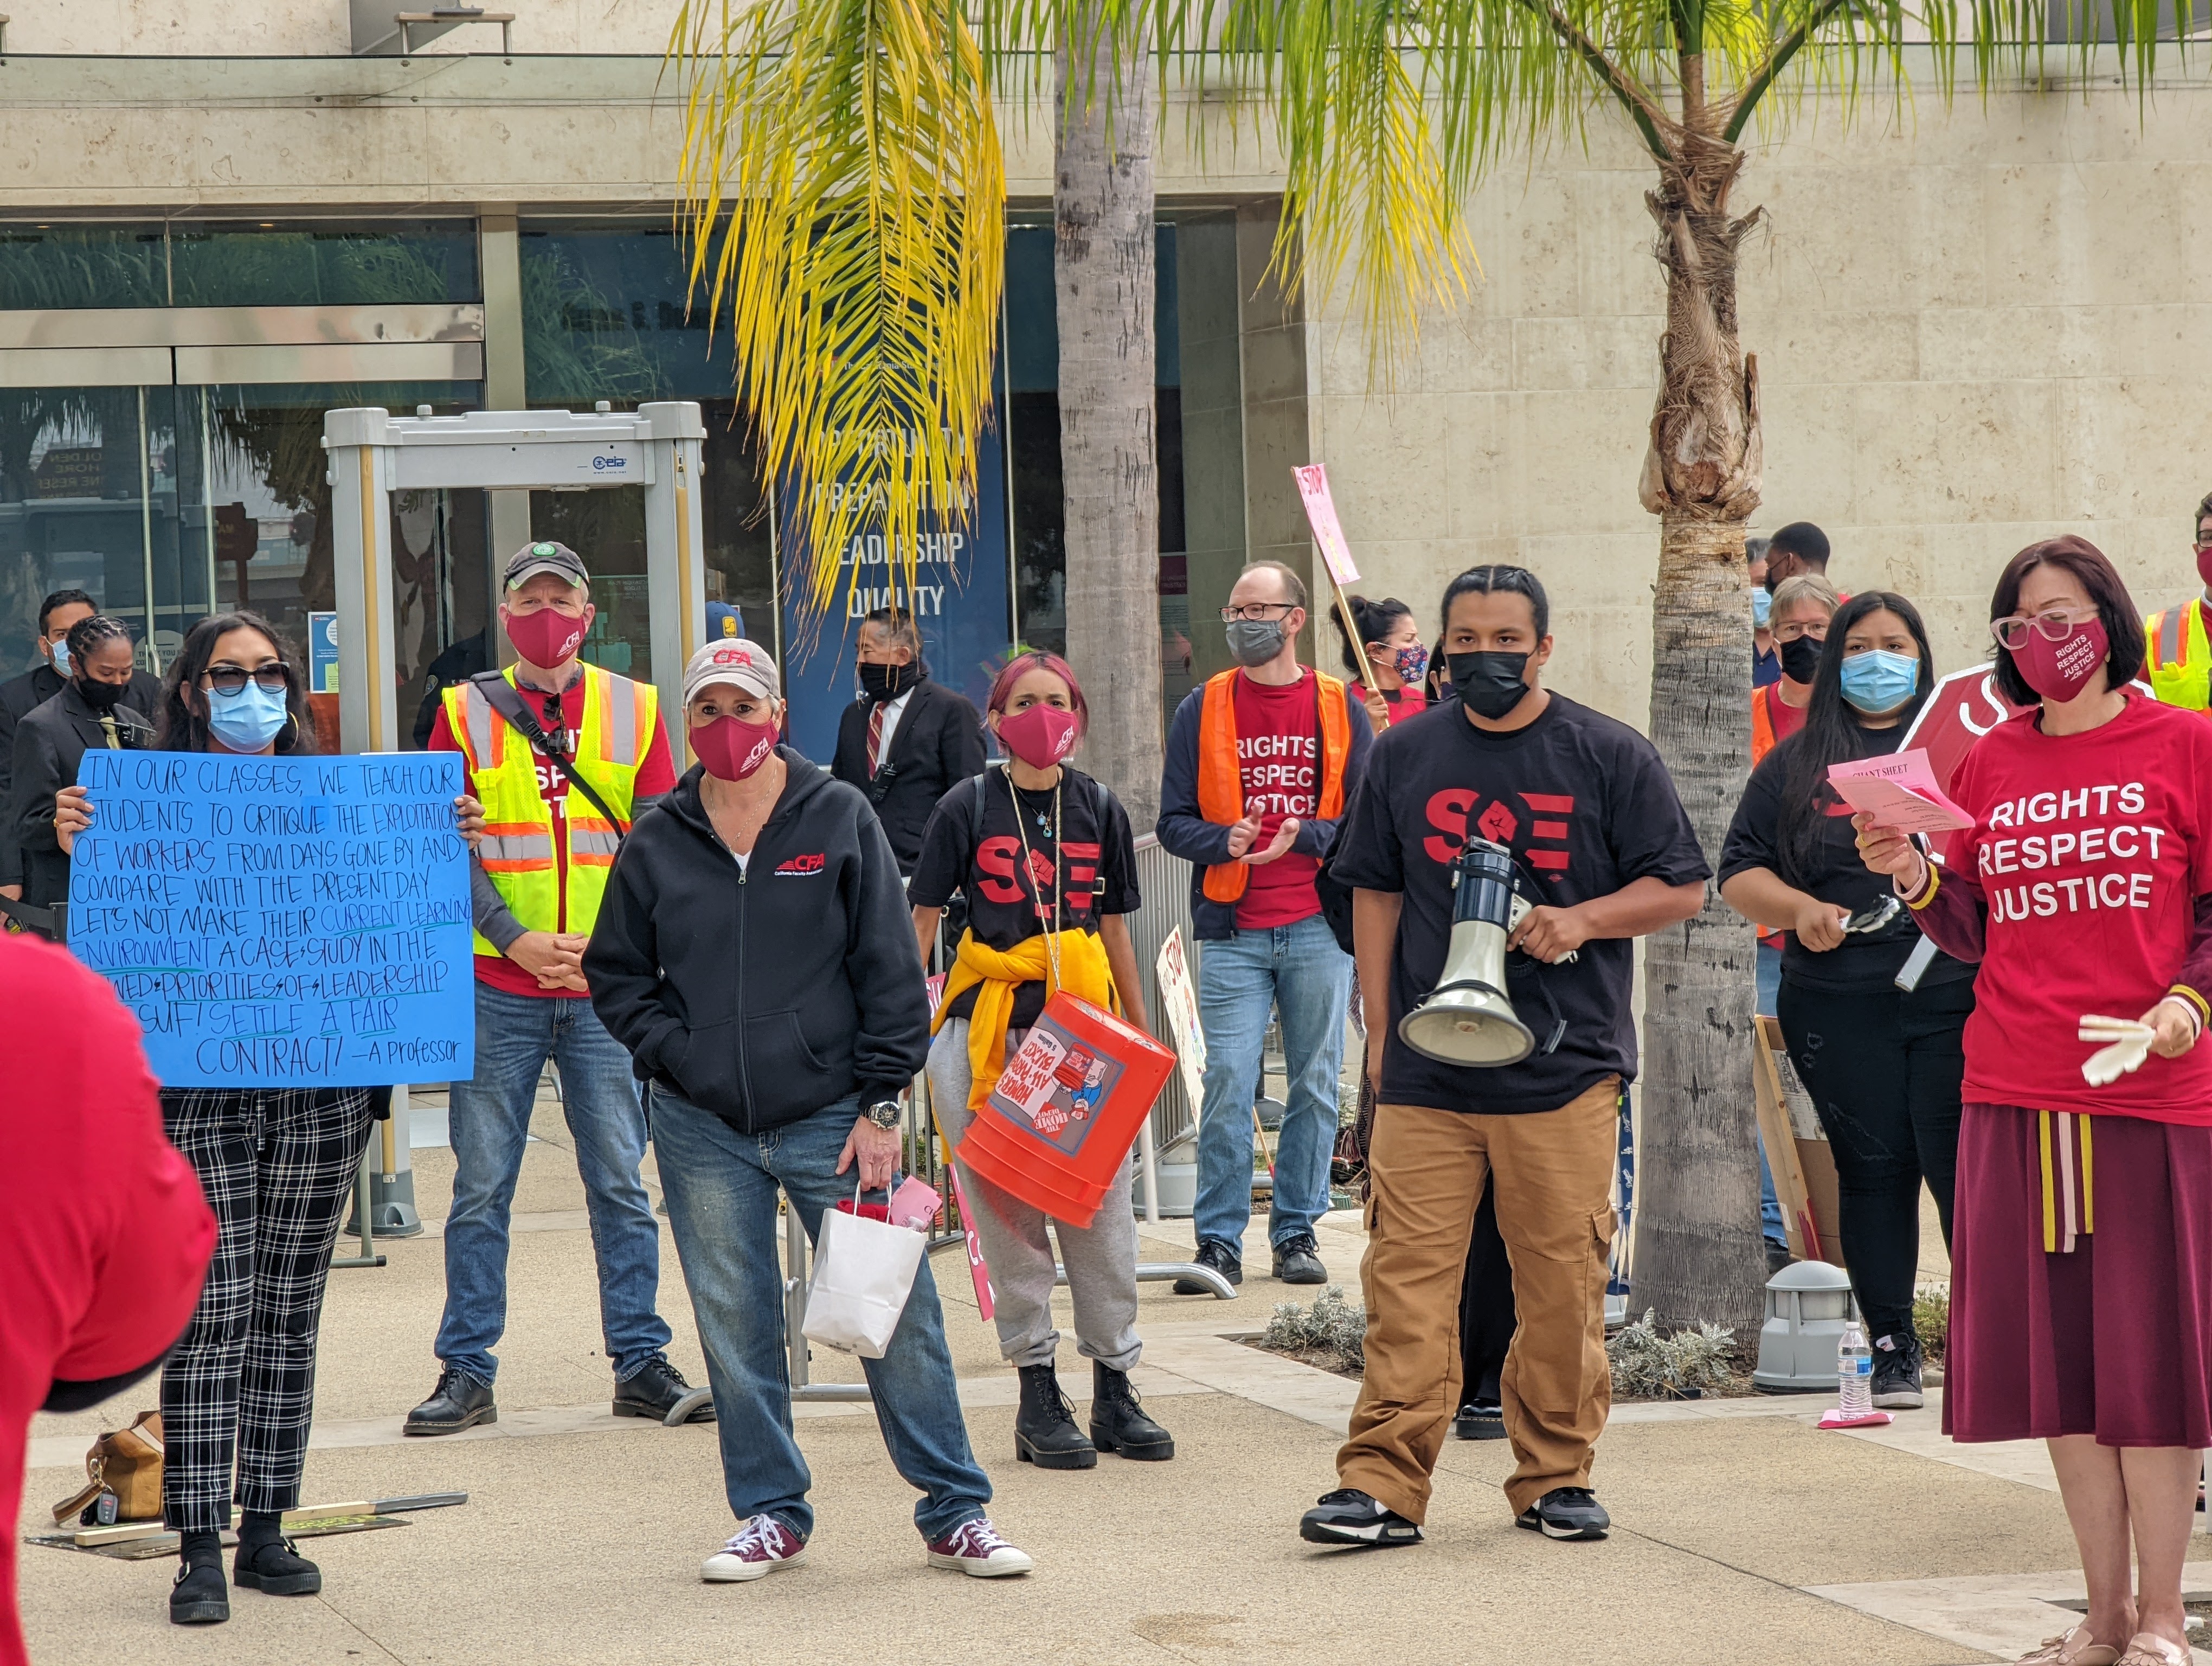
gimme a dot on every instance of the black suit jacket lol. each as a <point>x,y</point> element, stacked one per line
<point>938,743</point>
<point>48,744</point>
<point>19,697</point>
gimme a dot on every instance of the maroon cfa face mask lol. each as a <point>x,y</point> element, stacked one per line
<point>733,748</point>
<point>2059,670</point>
<point>2204,567</point>
<point>546,637</point>
<point>1039,735</point>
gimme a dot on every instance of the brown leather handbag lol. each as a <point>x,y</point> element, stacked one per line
<point>126,1463</point>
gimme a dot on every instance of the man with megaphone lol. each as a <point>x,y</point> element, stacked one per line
<point>1503,849</point>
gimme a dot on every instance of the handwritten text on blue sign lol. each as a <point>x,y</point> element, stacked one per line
<point>279,921</point>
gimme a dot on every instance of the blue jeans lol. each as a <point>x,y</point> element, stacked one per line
<point>490,1123</point>
<point>721,1188</point>
<point>1770,988</point>
<point>1299,971</point>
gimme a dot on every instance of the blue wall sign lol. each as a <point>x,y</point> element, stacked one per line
<point>322,652</point>
<point>960,599</point>
<point>281,921</point>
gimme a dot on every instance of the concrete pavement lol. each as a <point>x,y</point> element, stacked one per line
<point>1743,1534</point>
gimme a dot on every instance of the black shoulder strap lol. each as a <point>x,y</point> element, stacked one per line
<point>500,695</point>
<point>982,781</point>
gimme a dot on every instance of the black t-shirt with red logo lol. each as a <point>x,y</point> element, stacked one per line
<point>1092,865</point>
<point>1586,804</point>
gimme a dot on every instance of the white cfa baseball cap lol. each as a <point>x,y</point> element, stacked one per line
<point>742,664</point>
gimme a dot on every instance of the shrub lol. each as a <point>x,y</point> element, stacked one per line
<point>1931,1322</point>
<point>1332,1332</point>
<point>1647,1365</point>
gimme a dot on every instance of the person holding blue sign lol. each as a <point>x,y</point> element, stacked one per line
<point>755,953</point>
<point>275,1163</point>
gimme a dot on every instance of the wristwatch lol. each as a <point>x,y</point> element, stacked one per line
<point>884,1113</point>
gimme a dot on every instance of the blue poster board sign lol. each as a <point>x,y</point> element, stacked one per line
<point>281,921</point>
<point>961,599</point>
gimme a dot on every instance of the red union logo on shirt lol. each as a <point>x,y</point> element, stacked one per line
<point>1544,850</point>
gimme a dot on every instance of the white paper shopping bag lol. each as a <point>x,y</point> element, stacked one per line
<point>863,1273</point>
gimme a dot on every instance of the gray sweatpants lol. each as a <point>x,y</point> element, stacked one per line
<point>1101,1258</point>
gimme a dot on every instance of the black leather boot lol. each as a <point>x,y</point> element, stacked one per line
<point>1045,1432</point>
<point>1118,1422</point>
<point>458,1402</point>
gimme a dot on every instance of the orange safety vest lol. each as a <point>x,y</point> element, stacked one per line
<point>1762,724</point>
<point>1221,781</point>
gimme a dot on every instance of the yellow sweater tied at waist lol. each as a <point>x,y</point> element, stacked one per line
<point>994,974</point>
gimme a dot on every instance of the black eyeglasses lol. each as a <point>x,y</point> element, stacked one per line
<point>273,677</point>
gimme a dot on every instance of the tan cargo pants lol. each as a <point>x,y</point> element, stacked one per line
<point>1553,1172</point>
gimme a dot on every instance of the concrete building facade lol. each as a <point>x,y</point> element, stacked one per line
<point>1977,325</point>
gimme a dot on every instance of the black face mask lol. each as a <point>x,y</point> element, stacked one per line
<point>1800,657</point>
<point>1489,685</point>
<point>100,697</point>
<point>881,682</point>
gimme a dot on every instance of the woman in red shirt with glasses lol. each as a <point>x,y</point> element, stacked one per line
<point>2081,1262</point>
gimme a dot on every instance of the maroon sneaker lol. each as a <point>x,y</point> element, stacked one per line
<point>975,1548</point>
<point>755,1551</point>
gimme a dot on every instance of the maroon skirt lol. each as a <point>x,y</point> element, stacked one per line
<point>2111,1338</point>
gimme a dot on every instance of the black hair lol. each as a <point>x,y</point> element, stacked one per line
<point>896,625</point>
<point>1831,734</point>
<point>2116,609</point>
<point>88,633</point>
<point>1376,620</point>
<point>63,598</point>
<point>1502,580</point>
<point>185,730</point>
<point>1802,539</point>
<point>1439,674</point>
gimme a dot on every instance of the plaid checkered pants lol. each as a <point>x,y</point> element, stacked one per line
<point>275,1165</point>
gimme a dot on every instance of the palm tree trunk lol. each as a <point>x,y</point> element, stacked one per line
<point>1102,208</point>
<point>1698,1252</point>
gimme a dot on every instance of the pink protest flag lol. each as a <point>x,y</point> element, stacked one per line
<point>976,1270</point>
<point>1321,511</point>
<point>1900,792</point>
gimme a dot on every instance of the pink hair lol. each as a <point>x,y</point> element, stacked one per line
<point>1002,688</point>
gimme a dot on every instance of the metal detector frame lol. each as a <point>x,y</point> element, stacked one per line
<point>373,453</point>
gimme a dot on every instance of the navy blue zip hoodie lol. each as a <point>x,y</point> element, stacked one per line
<point>765,993</point>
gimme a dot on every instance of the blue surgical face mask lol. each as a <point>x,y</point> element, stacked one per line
<point>1878,681</point>
<point>249,719</point>
<point>1762,605</point>
<point>59,647</point>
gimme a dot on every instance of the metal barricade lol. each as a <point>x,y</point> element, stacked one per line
<point>1163,882</point>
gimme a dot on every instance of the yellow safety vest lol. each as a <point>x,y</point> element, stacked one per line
<point>2177,656</point>
<point>619,719</point>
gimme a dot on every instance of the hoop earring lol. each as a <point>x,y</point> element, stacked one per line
<point>289,736</point>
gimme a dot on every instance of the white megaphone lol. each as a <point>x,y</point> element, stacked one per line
<point>1467,1019</point>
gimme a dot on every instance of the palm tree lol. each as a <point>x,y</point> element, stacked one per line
<point>1388,114</point>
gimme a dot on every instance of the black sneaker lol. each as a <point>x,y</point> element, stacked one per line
<point>1222,1259</point>
<point>1566,1513</point>
<point>655,1391</point>
<point>1349,1517</point>
<point>1298,1260</point>
<point>275,1568</point>
<point>458,1402</point>
<point>1777,1255</point>
<point>1897,1374</point>
<point>1479,1419</point>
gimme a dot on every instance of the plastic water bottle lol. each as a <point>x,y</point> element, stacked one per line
<point>1854,1371</point>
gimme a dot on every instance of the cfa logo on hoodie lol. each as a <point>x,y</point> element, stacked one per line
<point>803,868</point>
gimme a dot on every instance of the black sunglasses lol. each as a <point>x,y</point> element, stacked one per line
<point>274,678</point>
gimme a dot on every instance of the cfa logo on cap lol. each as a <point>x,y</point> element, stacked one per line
<point>730,656</point>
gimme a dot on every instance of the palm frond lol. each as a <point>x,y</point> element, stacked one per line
<point>843,196</point>
<point>1366,190</point>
